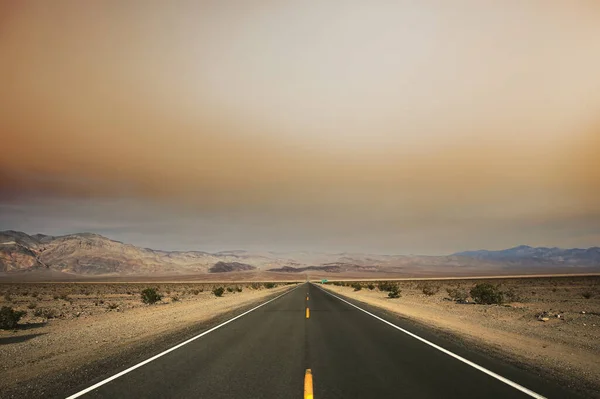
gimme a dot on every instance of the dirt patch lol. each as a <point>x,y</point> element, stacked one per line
<point>68,327</point>
<point>549,324</point>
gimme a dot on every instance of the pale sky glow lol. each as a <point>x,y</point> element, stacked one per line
<point>397,127</point>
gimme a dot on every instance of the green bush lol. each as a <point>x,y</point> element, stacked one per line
<point>229,289</point>
<point>371,286</point>
<point>487,294</point>
<point>9,318</point>
<point>357,286</point>
<point>255,286</point>
<point>239,288</point>
<point>387,286</point>
<point>457,294</point>
<point>394,292</point>
<point>150,296</point>
<point>218,291</point>
<point>269,285</point>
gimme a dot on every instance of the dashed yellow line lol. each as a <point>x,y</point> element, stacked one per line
<point>308,385</point>
<point>307,313</point>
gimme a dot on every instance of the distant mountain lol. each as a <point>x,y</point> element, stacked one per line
<point>225,267</point>
<point>542,255</point>
<point>88,254</point>
<point>93,254</point>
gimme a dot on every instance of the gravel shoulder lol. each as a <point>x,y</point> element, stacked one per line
<point>52,357</point>
<point>551,329</point>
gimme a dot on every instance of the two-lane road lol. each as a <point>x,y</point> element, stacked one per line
<point>266,352</point>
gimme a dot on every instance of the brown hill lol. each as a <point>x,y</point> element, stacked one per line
<point>225,267</point>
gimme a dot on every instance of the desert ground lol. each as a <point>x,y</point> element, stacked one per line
<point>549,324</point>
<point>71,328</point>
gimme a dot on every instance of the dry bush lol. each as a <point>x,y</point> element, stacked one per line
<point>9,318</point>
<point>429,289</point>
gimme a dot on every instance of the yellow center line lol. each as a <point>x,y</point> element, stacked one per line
<point>307,313</point>
<point>308,385</point>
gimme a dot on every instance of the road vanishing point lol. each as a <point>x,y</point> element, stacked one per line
<point>309,343</point>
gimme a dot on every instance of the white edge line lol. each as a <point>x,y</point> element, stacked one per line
<point>114,377</point>
<point>447,352</point>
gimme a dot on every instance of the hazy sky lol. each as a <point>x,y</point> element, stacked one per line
<point>384,126</point>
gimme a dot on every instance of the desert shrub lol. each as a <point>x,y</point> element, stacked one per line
<point>357,286</point>
<point>35,294</point>
<point>112,306</point>
<point>8,297</point>
<point>64,297</point>
<point>255,286</point>
<point>9,318</point>
<point>195,292</point>
<point>387,286</point>
<point>229,289</point>
<point>487,294</point>
<point>394,291</point>
<point>46,313</point>
<point>218,291</point>
<point>457,294</point>
<point>149,296</point>
<point>371,286</point>
<point>31,305</point>
<point>269,285</point>
<point>430,290</point>
<point>238,288</point>
<point>55,297</point>
<point>587,295</point>
<point>175,298</point>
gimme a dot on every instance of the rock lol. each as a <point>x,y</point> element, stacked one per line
<point>583,312</point>
<point>544,319</point>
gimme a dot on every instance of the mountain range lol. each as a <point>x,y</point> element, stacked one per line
<point>543,255</point>
<point>92,255</point>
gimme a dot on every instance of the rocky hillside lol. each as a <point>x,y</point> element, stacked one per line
<point>93,254</point>
<point>225,267</point>
<point>541,255</point>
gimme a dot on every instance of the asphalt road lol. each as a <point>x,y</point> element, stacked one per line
<point>265,354</point>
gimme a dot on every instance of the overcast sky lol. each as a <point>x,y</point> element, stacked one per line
<point>391,127</point>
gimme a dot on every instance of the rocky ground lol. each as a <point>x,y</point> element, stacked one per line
<point>549,324</point>
<point>69,326</point>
